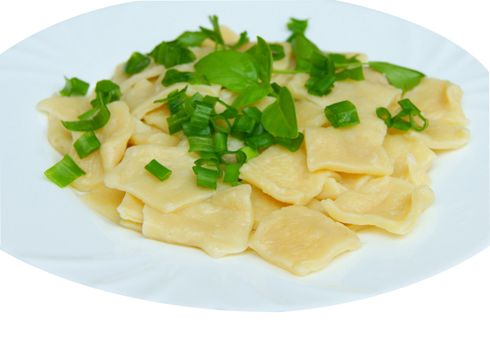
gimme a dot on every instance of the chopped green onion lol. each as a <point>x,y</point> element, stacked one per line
<point>232,173</point>
<point>64,172</point>
<point>220,142</point>
<point>173,76</point>
<point>221,124</point>
<point>137,62</point>
<point>155,168</point>
<point>342,114</point>
<point>405,119</point>
<point>262,141</point>
<point>176,99</point>
<point>191,130</point>
<point>106,91</point>
<point>249,153</point>
<point>201,144</point>
<point>206,177</point>
<point>91,120</point>
<point>412,110</point>
<point>291,144</point>
<point>322,75</point>
<point>356,73</point>
<point>277,52</point>
<point>244,124</point>
<point>74,87</point>
<point>201,115</point>
<point>385,115</point>
<point>86,144</point>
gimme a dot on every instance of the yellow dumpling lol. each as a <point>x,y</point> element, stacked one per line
<point>131,209</point>
<point>309,114</point>
<point>387,202</point>
<point>151,72</point>
<point>440,103</point>
<point>357,149</point>
<point>138,93</point>
<point>263,205</point>
<point>64,108</point>
<point>104,201</point>
<point>144,134</point>
<point>219,225</point>
<point>283,175</point>
<point>301,240</point>
<point>58,136</point>
<point>411,158</point>
<point>158,118</point>
<point>94,171</point>
<point>115,135</point>
<point>179,190</point>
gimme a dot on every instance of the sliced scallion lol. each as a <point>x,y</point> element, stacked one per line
<point>342,114</point>
<point>86,144</point>
<point>158,170</point>
<point>64,172</point>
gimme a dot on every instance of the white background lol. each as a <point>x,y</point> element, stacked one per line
<point>448,311</point>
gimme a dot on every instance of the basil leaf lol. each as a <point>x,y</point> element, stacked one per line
<point>297,27</point>
<point>277,51</point>
<point>173,76</point>
<point>172,53</point>
<point>353,73</point>
<point>234,70</point>
<point>303,50</point>
<point>251,94</point>
<point>189,39</point>
<point>262,57</point>
<point>279,118</point>
<point>242,40</point>
<point>398,76</point>
<point>215,33</point>
<point>322,75</point>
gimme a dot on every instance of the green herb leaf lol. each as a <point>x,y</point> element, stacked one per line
<point>173,76</point>
<point>190,39</point>
<point>352,73</point>
<point>242,40</point>
<point>233,70</point>
<point>262,57</point>
<point>74,87</point>
<point>86,144</point>
<point>303,50</point>
<point>259,142</point>
<point>251,94</point>
<point>297,27</point>
<point>172,53</point>
<point>215,33</point>
<point>91,120</point>
<point>322,75</point>
<point>155,168</point>
<point>398,76</point>
<point>64,172</point>
<point>341,60</point>
<point>279,118</point>
<point>277,51</point>
<point>342,114</point>
<point>136,63</point>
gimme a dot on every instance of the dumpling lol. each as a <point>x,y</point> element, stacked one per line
<point>219,225</point>
<point>283,175</point>
<point>131,212</point>
<point>145,135</point>
<point>440,103</point>
<point>152,71</point>
<point>387,202</point>
<point>94,171</point>
<point>104,201</point>
<point>357,149</point>
<point>332,187</point>
<point>115,135</point>
<point>411,158</point>
<point>138,93</point>
<point>309,114</point>
<point>58,136</point>
<point>263,205</point>
<point>301,240</point>
<point>63,107</point>
<point>158,118</point>
<point>179,190</point>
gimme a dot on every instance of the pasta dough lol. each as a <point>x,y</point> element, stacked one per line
<point>283,175</point>
<point>301,240</point>
<point>219,225</point>
<point>389,203</point>
<point>176,192</point>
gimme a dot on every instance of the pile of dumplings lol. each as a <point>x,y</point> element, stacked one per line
<point>297,210</point>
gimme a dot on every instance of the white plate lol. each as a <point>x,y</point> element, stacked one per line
<point>52,229</point>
